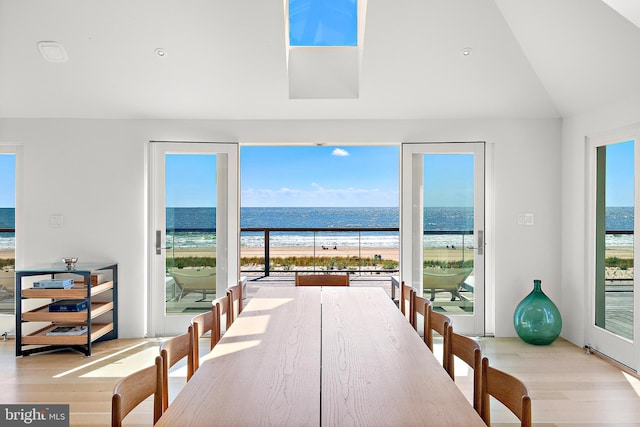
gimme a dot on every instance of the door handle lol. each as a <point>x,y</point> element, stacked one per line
<point>480,247</point>
<point>159,243</point>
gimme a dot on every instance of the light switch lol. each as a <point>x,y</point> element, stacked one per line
<point>526,219</point>
<point>56,221</point>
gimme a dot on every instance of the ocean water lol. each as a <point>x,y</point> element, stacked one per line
<point>7,220</point>
<point>188,226</point>
<point>195,227</point>
<point>619,219</point>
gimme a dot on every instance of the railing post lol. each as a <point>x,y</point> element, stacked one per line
<point>267,262</point>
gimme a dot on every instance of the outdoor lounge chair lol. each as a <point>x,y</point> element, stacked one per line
<point>445,280</point>
<point>201,280</point>
<point>7,289</point>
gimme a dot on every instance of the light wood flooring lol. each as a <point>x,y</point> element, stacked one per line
<point>568,386</point>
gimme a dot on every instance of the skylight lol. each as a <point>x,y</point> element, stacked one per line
<point>323,23</point>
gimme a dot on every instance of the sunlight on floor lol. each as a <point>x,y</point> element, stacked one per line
<point>125,366</point>
<point>460,368</point>
<point>634,382</point>
<point>93,362</point>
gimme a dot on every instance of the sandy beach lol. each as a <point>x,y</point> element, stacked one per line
<point>7,253</point>
<point>290,251</point>
<point>439,254</point>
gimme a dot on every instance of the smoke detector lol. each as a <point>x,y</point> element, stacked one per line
<point>52,51</point>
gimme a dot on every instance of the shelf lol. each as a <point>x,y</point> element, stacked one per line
<point>43,314</point>
<point>40,337</point>
<point>101,315</point>
<point>77,292</point>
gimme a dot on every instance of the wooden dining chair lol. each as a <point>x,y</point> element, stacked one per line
<point>439,322</point>
<point>470,352</point>
<point>235,301</point>
<point>133,389</point>
<point>422,307</point>
<point>507,389</point>
<point>171,351</point>
<point>222,307</point>
<point>407,294</point>
<point>322,279</point>
<point>200,325</point>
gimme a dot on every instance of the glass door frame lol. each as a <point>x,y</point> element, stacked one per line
<point>8,321</point>
<point>227,226</point>
<point>16,149</point>
<point>411,217</point>
<point>623,350</point>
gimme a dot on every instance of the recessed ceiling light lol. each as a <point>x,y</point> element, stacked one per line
<point>52,51</point>
<point>161,52</point>
<point>466,51</point>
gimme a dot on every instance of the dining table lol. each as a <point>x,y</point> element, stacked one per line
<point>320,356</point>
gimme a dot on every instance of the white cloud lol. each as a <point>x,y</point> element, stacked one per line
<point>340,152</point>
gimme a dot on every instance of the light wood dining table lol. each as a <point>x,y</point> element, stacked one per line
<point>320,356</point>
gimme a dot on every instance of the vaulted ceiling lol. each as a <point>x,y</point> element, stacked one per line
<point>228,59</point>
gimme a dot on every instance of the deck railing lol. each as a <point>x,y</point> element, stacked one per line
<point>321,253</point>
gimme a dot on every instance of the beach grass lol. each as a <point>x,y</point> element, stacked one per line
<point>190,261</point>
<point>621,263</point>
<point>287,263</point>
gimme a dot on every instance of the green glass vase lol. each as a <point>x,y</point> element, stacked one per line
<point>537,319</point>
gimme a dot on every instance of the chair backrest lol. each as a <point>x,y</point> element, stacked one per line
<point>470,352</point>
<point>195,279</point>
<point>171,351</point>
<point>133,389</point>
<point>7,280</point>
<point>201,324</point>
<point>407,295</point>
<point>445,279</point>
<point>322,279</point>
<point>222,305</point>
<point>507,389</point>
<point>439,322</point>
<point>422,306</point>
<point>235,300</point>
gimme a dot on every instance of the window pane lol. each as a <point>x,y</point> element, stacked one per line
<point>8,235</point>
<point>448,232</point>
<point>614,238</point>
<point>323,23</point>
<point>191,232</point>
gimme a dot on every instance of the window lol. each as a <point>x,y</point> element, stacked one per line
<point>7,231</point>
<point>323,23</point>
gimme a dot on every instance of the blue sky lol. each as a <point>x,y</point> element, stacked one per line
<point>620,175</point>
<point>191,180</point>
<point>323,23</point>
<point>448,180</point>
<point>7,181</point>
<point>319,176</point>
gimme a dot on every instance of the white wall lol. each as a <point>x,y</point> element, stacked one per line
<point>93,173</point>
<point>573,272</point>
